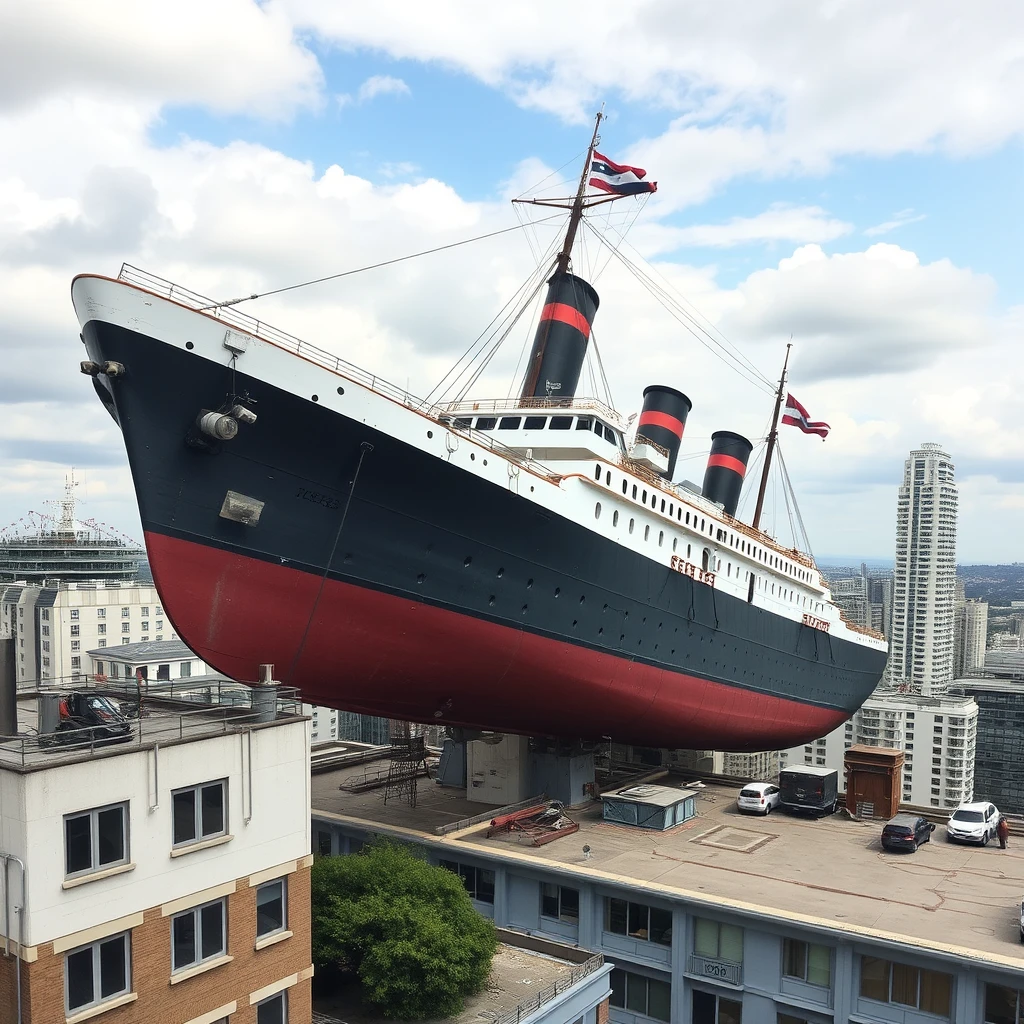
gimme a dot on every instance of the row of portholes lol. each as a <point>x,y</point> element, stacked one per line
<point>743,546</point>
<point>784,593</point>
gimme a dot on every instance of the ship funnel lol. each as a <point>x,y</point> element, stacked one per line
<point>662,421</point>
<point>560,344</point>
<point>727,465</point>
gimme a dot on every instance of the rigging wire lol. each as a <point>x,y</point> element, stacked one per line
<point>805,540</point>
<point>671,296</point>
<point>376,266</point>
<point>738,363</point>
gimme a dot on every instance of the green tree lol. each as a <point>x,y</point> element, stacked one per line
<point>407,930</point>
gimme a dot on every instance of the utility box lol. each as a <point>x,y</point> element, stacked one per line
<point>874,781</point>
<point>497,769</point>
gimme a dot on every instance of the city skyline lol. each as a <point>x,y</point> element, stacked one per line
<point>866,214</point>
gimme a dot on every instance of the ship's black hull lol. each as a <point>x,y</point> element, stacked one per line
<point>382,579</point>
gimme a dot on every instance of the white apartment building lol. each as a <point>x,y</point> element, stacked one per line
<point>158,661</point>
<point>938,736</point>
<point>971,636</point>
<point>325,723</point>
<point>163,879</point>
<point>921,643</point>
<point>57,624</point>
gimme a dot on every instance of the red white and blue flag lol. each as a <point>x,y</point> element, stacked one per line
<point>796,416</point>
<point>621,179</point>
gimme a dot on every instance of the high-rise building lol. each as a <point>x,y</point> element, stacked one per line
<point>970,635</point>
<point>921,644</point>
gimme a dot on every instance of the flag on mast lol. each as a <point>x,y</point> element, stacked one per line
<point>796,416</point>
<point>621,179</point>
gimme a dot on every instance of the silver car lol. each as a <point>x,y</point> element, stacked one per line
<point>973,823</point>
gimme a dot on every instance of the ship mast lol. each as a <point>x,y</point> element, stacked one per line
<point>773,435</point>
<point>577,207</point>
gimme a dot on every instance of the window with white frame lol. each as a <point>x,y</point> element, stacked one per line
<point>199,812</point>
<point>273,1010</point>
<point>95,839</point>
<point>101,613</point>
<point>97,973</point>
<point>271,908</point>
<point>75,629</point>
<point>145,612</point>
<point>101,628</point>
<point>198,935</point>
<point>74,614</point>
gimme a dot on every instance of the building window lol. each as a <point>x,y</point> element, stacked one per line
<point>126,627</point>
<point>273,1010</point>
<point>76,630</point>
<point>99,668</point>
<point>95,839</point>
<point>159,610</point>
<point>97,973</point>
<point>101,613</point>
<point>323,844</point>
<point>101,643</point>
<point>124,613</point>
<point>101,628</point>
<point>159,623</point>
<point>46,615</point>
<point>1003,1005</point>
<point>888,982</point>
<point>185,670</point>
<point>74,614</point>
<point>808,962</point>
<point>270,908</point>
<point>145,627</point>
<point>560,902</point>
<point>163,671</point>
<point>639,921</point>
<point>718,941</point>
<point>76,645</point>
<point>76,662</point>
<point>709,1008</point>
<point>198,935</point>
<point>125,640</point>
<point>199,812</point>
<point>479,882</point>
<point>641,994</point>
<point>45,630</point>
<point>46,645</point>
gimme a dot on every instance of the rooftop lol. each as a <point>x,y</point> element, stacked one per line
<point>164,720</point>
<point>521,979</point>
<point>153,650</point>
<point>829,873</point>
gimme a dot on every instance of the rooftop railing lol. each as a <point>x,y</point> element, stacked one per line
<point>531,1005</point>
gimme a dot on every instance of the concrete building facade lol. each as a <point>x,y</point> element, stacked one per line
<point>166,879</point>
<point>999,760</point>
<point>921,644</point>
<point>732,920</point>
<point>970,638</point>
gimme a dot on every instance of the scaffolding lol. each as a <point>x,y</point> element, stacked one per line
<point>408,759</point>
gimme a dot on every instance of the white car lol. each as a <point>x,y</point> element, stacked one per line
<point>973,823</point>
<point>758,798</point>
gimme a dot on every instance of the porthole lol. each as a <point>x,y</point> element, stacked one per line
<point>316,398</point>
<point>597,472</point>
<point>623,486</point>
<point>558,590</point>
<point>529,584</point>
<point>597,510</point>
<point>615,518</point>
<point>661,538</point>
<point>472,456</point>
<point>662,504</point>
<point>631,523</point>
<point>467,562</point>
<point>645,496</point>
<point>490,600</point>
<point>675,543</point>
<point>607,479</point>
<point>422,576</point>
<point>647,532</point>
<point>501,572</point>
<point>430,433</point>
<point>574,623</point>
<point>189,345</point>
<point>341,391</point>
<point>524,608</point>
<point>485,462</point>
<point>583,599</point>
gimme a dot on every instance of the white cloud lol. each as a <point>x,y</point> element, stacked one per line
<point>374,86</point>
<point>780,223</point>
<point>232,56</point>
<point>897,221</point>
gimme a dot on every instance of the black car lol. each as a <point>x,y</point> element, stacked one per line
<point>906,832</point>
<point>91,718</point>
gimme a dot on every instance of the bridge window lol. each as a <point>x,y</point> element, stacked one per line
<point>510,422</point>
<point>583,423</point>
<point>535,422</point>
<point>609,435</point>
<point>463,421</point>
<point>486,422</point>
<point>560,423</point>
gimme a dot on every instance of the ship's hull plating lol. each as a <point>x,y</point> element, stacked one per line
<point>384,580</point>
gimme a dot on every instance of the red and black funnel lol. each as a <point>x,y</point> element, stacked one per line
<point>663,419</point>
<point>727,465</point>
<point>560,344</point>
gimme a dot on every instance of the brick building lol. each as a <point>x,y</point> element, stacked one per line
<point>163,879</point>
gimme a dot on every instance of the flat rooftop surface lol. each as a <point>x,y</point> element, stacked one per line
<point>832,870</point>
<point>516,976</point>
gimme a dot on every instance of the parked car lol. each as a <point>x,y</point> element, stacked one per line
<point>91,718</point>
<point>973,823</point>
<point>758,798</point>
<point>906,832</point>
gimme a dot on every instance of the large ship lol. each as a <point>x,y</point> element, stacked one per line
<point>519,565</point>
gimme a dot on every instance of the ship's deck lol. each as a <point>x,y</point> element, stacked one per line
<point>831,871</point>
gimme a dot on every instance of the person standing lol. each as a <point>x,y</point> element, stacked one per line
<point>1003,832</point>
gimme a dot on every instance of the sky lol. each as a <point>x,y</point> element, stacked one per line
<point>845,175</point>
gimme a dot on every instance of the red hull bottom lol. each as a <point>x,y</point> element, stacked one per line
<point>380,654</point>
